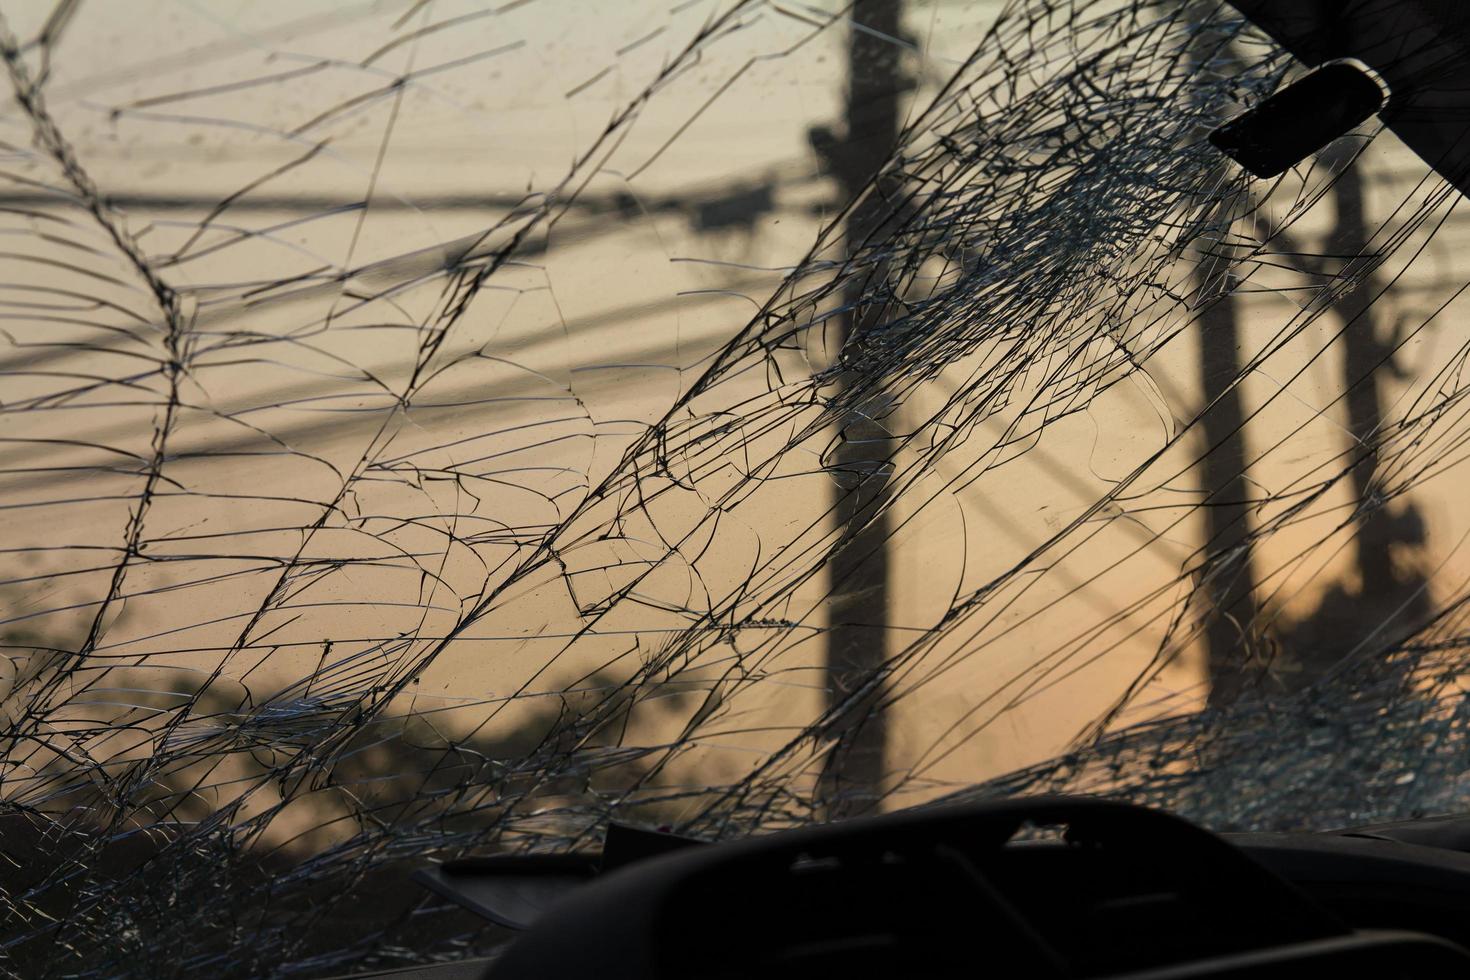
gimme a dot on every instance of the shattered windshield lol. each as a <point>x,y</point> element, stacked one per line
<point>433,427</point>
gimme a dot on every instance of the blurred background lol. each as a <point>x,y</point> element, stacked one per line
<point>436,426</point>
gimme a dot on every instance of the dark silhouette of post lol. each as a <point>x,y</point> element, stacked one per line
<point>859,604</point>
<point>1385,594</point>
<point>1363,354</point>
<point>1227,574</point>
<point>1227,577</point>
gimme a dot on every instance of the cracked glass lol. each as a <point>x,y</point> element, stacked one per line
<point>432,428</point>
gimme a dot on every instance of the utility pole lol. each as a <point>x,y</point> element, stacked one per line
<point>1385,594</point>
<point>1227,578</point>
<point>1363,355</point>
<point>859,572</point>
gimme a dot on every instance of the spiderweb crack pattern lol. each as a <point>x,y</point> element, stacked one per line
<point>270,472</point>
